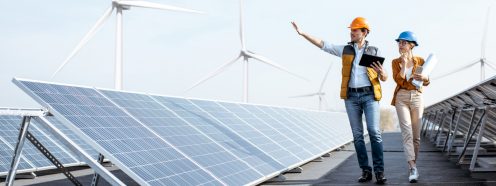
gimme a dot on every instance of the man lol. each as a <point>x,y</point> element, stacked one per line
<point>361,91</point>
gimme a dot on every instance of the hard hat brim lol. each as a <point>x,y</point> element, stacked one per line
<point>414,42</point>
<point>358,27</point>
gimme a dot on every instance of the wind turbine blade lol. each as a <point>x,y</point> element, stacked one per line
<point>456,70</point>
<point>325,77</point>
<point>305,95</point>
<point>484,35</point>
<point>241,32</point>
<point>489,64</point>
<point>269,62</point>
<point>86,38</point>
<point>214,73</point>
<point>145,4</point>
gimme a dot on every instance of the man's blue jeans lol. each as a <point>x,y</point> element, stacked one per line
<point>357,104</point>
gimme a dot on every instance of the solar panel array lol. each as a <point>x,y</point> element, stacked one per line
<point>160,140</point>
<point>31,159</point>
<point>467,116</point>
<point>226,137</point>
<point>185,137</point>
<point>473,101</point>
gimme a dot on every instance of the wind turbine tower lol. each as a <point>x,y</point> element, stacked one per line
<point>244,54</point>
<point>118,6</point>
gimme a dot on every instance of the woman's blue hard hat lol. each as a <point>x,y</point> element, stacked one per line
<point>408,36</point>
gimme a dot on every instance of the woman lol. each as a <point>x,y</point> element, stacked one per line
<point>408,99</point>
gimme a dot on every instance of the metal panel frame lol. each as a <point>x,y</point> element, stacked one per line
<point>69,124</point>
<point>95,165</point>
<point>480,99</point>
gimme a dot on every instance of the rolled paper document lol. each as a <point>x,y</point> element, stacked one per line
<point>425,69</point>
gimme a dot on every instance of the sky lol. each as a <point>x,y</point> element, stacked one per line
<point>167,52</point>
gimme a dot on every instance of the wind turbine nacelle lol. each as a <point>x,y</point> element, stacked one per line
<point>117,4</point>
<point>125,7</point>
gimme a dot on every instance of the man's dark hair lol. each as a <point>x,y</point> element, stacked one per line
<point>365,30</point>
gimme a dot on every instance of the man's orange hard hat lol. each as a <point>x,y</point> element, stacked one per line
<point>359,22</point>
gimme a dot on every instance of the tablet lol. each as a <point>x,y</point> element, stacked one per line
<point>367,60</point>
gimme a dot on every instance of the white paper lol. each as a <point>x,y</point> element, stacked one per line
<point>427,68</point>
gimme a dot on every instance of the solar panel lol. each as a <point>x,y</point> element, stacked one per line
<point>244,129</point>
<point>9,132</point>
<point>311,128</point>
<point>477,120</point>
<point>224,135</point>
<point>71,135</point>
<point>6,154</point>
<point>286,150</point>
<point>333,126</point>
<point>62,155</point>
<point>301,136</point>
<point>134,148</point>
<point>186,137</point>
<point>341,130</point>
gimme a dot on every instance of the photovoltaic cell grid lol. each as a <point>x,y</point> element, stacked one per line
<point>187,138</point>
<point>280,146</point>
<point>127,143</point>
<point>6,154</point>
<point>163,140</point>
<point>306,139</point>
<point>315,123</point>
<point>335,136</point>
<point>31,158</point>
<point>226,137</point>
<point>313,132</point>
<point>244,129</point>
<point>6,148</point>
<point>9,132</point>
<point>62,155</point>
<point>71,135</point>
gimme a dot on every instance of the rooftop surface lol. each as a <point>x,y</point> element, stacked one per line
<point>341,168</point>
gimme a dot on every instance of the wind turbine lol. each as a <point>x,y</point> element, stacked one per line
<point>245,55</point>
<point>482,60</point>
<point>119,6</point>
<point>319,93</point>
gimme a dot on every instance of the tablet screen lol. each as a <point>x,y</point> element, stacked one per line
<point>367,60</point>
